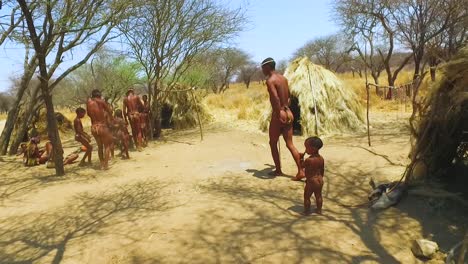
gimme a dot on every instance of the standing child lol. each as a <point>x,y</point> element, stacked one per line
<point>81,136</point>
<point>122,133</point>
<point>314,170</point>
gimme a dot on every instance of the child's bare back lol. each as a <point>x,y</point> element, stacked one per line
<point>314,167</point>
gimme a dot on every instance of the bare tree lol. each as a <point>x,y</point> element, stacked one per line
<point>366,40</point>
<point>166,35</point>
<point>229,62</point>
<point>373,19</point>
<point>331,51</point>
<point>247,72</point>
<point>5,102</point>
<point>13,28</point>
<point>417,23</point>
<point>61,26</point>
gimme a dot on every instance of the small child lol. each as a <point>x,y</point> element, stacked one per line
<point>314,170</point>
<point>122,134</point>
<point>81,136</point>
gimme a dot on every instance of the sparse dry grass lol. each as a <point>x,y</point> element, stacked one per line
<point>245,104</point>
<point>377,104</point>
<point>249,104</point>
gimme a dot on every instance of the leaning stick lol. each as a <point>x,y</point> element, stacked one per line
<point>368,96</point>
<point>315,102</point>
<point>198,114</point>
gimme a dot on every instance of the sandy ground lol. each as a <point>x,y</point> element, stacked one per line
<point>186,201</point>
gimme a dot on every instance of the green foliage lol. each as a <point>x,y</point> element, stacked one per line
<point>112,74</point>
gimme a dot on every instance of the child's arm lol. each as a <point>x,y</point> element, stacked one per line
<point>301,159</point>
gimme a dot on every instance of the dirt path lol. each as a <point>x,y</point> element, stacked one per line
<point>186,201</point>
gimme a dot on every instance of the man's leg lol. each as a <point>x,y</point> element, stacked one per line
<point>89,148</point>
<point>288,137</point>
<point>274,133</point>
<point>108,141</point>
<point>97,137</point>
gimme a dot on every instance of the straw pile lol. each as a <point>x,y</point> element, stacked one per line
<point>442,135</point>
<point>184,109</point>
<point>338,108</point>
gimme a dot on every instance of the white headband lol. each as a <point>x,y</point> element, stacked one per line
<point>268,61</point>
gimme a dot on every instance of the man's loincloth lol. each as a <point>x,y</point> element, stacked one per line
<point>286,116</point>
<point>134,117</point>
<point>99,129</point>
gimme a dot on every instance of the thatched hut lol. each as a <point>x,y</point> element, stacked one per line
<point>338,108</point>
<point>441,139</point>
<point>180,109</point>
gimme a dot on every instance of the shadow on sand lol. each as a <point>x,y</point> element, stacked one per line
<point>46,235</point>
<point>264,174</point>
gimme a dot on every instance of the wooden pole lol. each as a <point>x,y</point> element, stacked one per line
<point>315,103</point>
<point>198,114</point>
<point>368,95</point>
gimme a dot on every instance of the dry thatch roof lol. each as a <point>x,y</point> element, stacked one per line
<point>184,109</point>
<point>442,135</point>
<point>338,107</point>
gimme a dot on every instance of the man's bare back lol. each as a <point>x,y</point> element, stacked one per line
<point>282,117</point>
<point>101,118</point>
<point>132,105</point>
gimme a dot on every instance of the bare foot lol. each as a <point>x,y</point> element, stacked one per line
<point>306,212</point>
<point>299,176</point>
<point>319,212</point>
<point>275,173</point>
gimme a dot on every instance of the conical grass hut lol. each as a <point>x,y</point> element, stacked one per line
<point>314,88</point>
<point>181,110</point>
<point>440,151</point>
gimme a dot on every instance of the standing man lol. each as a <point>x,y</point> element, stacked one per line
<point>281,118</point>
<point>132,105</point>
<point>101,117</point>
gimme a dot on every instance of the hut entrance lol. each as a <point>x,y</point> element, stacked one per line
<point>166,116</point>
<point>296,110</point>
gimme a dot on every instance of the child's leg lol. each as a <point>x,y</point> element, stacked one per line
<point>318,195</point>
<point>307,195</point>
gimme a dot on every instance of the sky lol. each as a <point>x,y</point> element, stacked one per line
<point>276,28</point>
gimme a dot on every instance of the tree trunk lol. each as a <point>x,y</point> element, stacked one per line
<point>418,56</point>
<point>13,113</point>
<point>156,120</point>
<point>52,129</point>
<point>156,111</point>
<point>150,114</point>
<point>433,74</point>
<point>23,127</point>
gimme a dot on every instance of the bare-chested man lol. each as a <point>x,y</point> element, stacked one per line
<point>101,117</point>
<point>282,117</point>
<point>132,105</point>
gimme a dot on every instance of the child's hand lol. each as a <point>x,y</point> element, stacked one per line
<point>301,155</point>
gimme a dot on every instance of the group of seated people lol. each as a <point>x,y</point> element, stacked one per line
<point>34,155</point>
